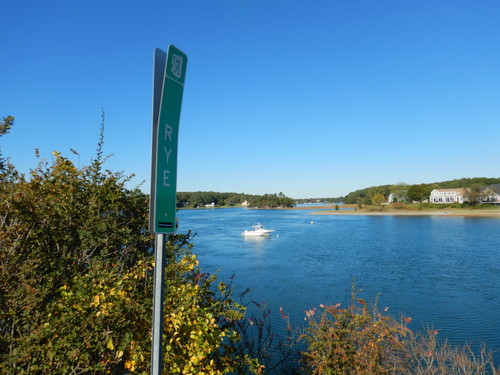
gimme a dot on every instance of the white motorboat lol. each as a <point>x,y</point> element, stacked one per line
<point>257,230</point>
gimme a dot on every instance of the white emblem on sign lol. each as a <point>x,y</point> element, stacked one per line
<point>176,68</point>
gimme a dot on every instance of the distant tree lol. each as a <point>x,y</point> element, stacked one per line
<point>8,172</point>
<point>467,182</point>
<point>5,126</point>
<point>363,196</point>
<point>378,199</point>
<point>272,201</point>
<point>419,193</point>
<point>183,199</point>
<point>400,192</point>
<point>474,194</point>
<point>233,199</point>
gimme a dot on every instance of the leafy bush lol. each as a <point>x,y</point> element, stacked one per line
<point>76,280</point>
<point>362,340</point>
<point>98,322</point>
<point>200,335</point>
<point>354,340</point>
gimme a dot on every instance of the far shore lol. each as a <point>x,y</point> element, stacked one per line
<point>353,209</point>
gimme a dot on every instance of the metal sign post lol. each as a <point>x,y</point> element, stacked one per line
<point>158,293</point>
<point>169,74</point>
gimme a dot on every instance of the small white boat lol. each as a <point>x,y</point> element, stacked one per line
<point>257,230</point>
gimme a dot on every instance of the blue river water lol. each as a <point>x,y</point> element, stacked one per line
<point>443,272</point>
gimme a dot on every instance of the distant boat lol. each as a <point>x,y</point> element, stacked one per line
<point>257,230</point>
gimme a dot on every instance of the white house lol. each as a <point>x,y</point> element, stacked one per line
<point>395,197</point>
<point>491,194</point>
<point>448,195</point>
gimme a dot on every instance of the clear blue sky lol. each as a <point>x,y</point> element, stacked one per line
<point>308,98</point>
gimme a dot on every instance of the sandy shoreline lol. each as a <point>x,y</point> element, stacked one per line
<point>354,210</point>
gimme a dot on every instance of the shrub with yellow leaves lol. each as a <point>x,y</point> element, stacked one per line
<point>76,280</point>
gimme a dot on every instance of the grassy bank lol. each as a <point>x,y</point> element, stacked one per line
<point>414,209</point>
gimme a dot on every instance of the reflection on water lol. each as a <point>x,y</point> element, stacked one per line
<point>256,244</point>
<point>256,240</point>
<point>442,271</point>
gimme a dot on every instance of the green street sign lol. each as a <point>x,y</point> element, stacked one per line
<point>168,86</point>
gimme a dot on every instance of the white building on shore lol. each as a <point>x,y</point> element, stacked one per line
<point>491,194</point>
<point>448,195</point>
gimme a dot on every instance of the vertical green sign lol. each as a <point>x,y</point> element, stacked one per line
<point>168,87</point>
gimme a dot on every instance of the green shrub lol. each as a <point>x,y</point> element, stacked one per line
<point>76,277</point>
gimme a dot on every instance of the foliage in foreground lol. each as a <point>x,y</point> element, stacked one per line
<point>363,340</point>
<point>355,340</point>
<point>76,274</point>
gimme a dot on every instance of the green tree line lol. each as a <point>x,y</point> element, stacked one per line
<point>363,196</point>
<point>279,200</point>
<point>416,192</point>
<point>320,200</point>
<point>202,198</point>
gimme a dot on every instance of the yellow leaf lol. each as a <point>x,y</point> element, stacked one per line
<point>110,345</point>
<point>130,365</point>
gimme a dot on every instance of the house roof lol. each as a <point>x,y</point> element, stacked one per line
<point>459,190</point>
<point>494,187</point>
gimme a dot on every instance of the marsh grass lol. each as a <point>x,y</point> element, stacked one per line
<point>428,355</point>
